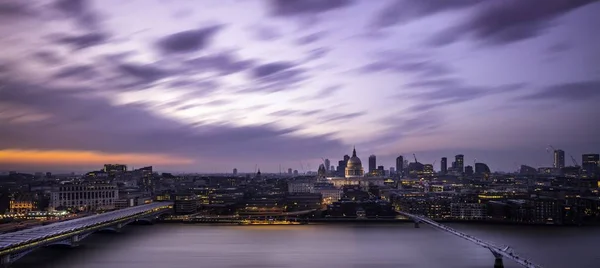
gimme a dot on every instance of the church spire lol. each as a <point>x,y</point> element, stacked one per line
<point>354,152</point>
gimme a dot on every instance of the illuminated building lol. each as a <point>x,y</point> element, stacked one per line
<point>22,205</point>
<point>559,159</point>
<point>459,163</point>
<point>88,197</point>
<point>354,166</point>
<point>354,174</point>
<point>114,168</point>
<point>468,211</point>
<point>185,204</point>
<point>372,164</point>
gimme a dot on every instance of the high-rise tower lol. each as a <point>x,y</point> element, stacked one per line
<point>400,165</point>
<point>559,159</point>
<point>444,165</point>
<point>372,163</point>
<point>459,162</point>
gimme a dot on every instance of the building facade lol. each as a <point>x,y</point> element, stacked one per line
<point>85,197</point>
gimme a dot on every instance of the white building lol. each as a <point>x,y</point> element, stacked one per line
<point>88,197</point>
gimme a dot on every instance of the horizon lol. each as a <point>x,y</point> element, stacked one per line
<point>207,87</point>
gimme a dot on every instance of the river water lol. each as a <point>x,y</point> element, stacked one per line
<point>307,246</point>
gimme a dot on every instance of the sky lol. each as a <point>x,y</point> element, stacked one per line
<point>212,85</point>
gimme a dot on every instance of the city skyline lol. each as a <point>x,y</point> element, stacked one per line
<point>232,84</point>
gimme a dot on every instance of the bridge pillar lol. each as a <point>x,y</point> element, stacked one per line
<point>5,261</point>
<point>75,240</point>
<point>498,263</point>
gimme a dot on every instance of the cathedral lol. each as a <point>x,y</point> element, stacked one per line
<point>354,167</point>
<point>354,174</point>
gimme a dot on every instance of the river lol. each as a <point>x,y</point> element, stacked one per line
<point>330,246</point>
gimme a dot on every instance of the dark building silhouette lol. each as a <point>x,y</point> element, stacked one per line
<point>482,168</point>
<point>559,159</point>
<point>468,170</point>
<point>380,171</point>
<point>372,163</point>
<point>400,165</point>
<point>459,163</point>
<point>527,170</point>
<point>322,171</point>
<point>235,171</point>
<point>589,165</point>
<point>444,165</point>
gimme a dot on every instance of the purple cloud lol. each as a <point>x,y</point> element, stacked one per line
<point>304,7</point>
<point>503,22</point>
<point>81,41</point>
<point>399,11</point>
<point>188,41</point>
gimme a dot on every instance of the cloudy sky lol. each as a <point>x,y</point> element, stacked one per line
<point>209,85</point>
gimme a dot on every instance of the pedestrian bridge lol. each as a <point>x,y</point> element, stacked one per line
<point>15,245</point>
<point>498,252</point>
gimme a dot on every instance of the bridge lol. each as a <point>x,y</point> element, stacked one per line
<point>14,246</point>
<point>498,252</point>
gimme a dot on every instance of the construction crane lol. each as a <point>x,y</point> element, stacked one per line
<point>550,147</point>
<point>415,156</point>
<point>434,163</point>
<point>574,161</point>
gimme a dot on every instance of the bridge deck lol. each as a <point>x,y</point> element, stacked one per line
<point>505,252</point>
<point>14,239</point>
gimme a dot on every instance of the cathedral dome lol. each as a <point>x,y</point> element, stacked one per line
<point>354,166</point>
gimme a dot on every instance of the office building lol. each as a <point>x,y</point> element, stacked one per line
<point>84,197</point>
<point>589,165</point>
<point>559,159</point>
<point>372,164</point>
<point>235,171</point>
<point>459,163</point>
<point>400,165</point>
<point>327,164</point>
<point>444,165</point>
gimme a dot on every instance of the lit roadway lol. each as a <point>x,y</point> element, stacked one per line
<point>16,244</point>
<point>499,252</point>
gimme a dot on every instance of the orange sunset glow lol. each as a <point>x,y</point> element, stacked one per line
<point>15,156</point>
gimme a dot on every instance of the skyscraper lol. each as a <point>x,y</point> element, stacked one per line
<point>444,165</point>
<point>460,163</point>
<point>235,171</point>
<point>326,163</point>
<point>372,163</point>
<point>399,164</point>
<point>559,158</point>
<point>289,170</point>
